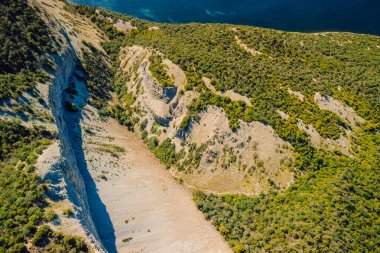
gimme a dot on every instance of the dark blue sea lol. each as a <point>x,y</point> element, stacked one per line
<point>359,16</point>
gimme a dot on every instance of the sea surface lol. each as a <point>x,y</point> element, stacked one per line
<point>359,16</point>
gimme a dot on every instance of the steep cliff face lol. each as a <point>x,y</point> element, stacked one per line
<point>65,68</point>
<point>68,74</point>
<point>66,65</point>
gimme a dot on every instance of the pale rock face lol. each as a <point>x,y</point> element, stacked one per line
<point>298,94</point>
<point>123,26</point>
<point>342,144</point>
<point>255,152</point>
<point>76,188</point>
<point>64,162</point>
<point>254,144</point>
<point>49,167</point>
<point>345,112</point>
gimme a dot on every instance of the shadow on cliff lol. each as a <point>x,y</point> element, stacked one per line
<point>98,211</point>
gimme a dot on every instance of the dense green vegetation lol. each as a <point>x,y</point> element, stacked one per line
<point>334,209</point>
<point>159,71</point>
<point>22,196</point>
<point>24,43</point>
<point>165,151</point>
<point>288,60</point>
<point>12,85</point>
<point>23,36</point>
<point>333,206</point>
<point>99,76</point>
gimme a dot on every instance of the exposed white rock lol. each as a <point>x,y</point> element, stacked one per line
<point>124,26</point>
<point>250,169</point>
<point>154,28</point>
<point>342,144</point>
<point>76,188</point>
<point>283,115</point>
<point>345,112</point>
<point>298,94</point>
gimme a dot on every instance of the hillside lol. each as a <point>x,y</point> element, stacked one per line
<point>275,134</point>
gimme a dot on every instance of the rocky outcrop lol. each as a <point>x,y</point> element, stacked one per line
<point>228,162</point>
<point>65,67</point>
<point>166,94</point>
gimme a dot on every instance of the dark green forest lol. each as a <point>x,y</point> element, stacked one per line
<point>22,194</point>
<point>24,45</point>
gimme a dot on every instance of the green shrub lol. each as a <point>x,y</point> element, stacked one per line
<point>153,143</point>
<point>74,242</point>
<point>144,134</point>
<point>50,215</point>
<point>143,124</point>
<point>68,212</point>
<point>165,152</point>
<point>185,122</point>
<point>127,239</point>
<point>41,238</point>
<point>159,71</point>
<point>71,106</point>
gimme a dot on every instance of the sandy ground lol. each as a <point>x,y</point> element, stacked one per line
<point>146,206</point>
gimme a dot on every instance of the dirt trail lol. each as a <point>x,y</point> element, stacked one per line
<point>246,48</point>
<point>147,207</point>
<point>229,93</point>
